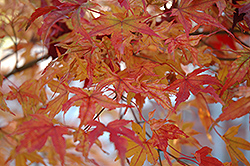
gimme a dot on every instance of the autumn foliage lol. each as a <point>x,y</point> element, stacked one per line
<point>107,59</point>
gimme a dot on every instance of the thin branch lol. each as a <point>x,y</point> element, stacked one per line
<point>26,66</point>
<point>6,56</point>
<point>158,150</point>
<point>223,32</point>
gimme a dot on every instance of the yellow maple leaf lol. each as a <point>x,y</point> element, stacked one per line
<point>233,143</point>
<point>138,152</point>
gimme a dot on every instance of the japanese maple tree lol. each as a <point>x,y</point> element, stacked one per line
<point>105,61</point>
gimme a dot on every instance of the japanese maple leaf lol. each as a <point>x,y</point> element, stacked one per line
<point>36,132</point>
<point>233,143</point>
<point>25,92</point>
<point>121,26</point>
<point>3,104</point>
<point>21,158</point>
<point>194,10</point>
<point>194,83</point>
<point>184,43</point>
<point>39,12</point>
<point>156,91</point>
<point>87,101</point>
<point>201,102</point>
<point>120,84</point>
<point>55,14</point>
<point>204,160</point>
<point>138,152</point>
<point>54,106</point>
<point>124,3</point>
<point>116,129</point>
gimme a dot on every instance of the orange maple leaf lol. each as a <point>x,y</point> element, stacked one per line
<point>120,82</point>
<point>121,26</point>
<point>36,132</point>
<point>156,91</point>
<point>184,43</point>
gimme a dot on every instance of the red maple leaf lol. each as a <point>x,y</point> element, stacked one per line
<point>116,129</point>
<point>162,132</point>
<point>194,83</point>
<point>204,160</point>
<point>36,132</point>
<point>39,12</point>
<point>194,10</point>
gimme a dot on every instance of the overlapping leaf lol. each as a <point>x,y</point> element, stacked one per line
<point>184,43</point>
<point>245,10</point>
<point>3,105</point>
<point>54,106</point>
<point>39,12</point>
<point>162,132</point>
<point>23,158</point>
<point>122,24</point>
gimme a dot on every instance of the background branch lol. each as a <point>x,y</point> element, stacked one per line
<point>26,66</point>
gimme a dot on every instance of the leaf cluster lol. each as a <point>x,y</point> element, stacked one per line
<point>106,59</point>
